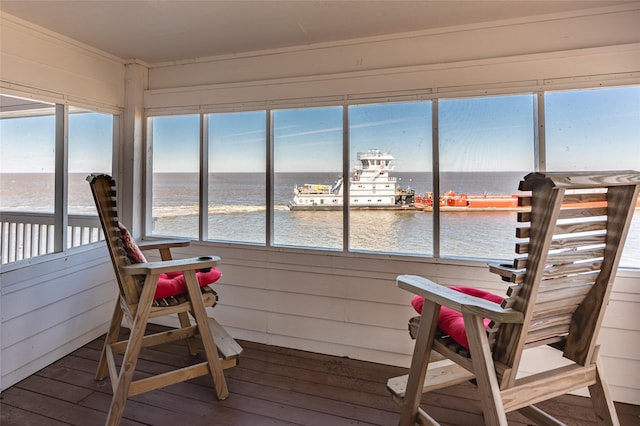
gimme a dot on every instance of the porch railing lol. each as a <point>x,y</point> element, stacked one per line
<point>24,235</point>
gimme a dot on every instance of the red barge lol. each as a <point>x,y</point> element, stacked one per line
<point>450,201</point>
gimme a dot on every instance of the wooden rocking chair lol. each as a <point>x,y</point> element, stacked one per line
<point>138,302</point>
<point>571,247</point>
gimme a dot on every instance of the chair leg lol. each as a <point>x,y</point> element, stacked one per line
<point>484,370</point>
<point>111,337</point>
<point>601,399</point>
<point>134,345</point>
<point>210,349</point>
<point>419,363</point>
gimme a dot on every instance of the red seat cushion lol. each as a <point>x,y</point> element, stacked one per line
<point>171,283</point>
<point>174,283</point>
<point>451,321</point>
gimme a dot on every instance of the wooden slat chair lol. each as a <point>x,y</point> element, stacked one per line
<point>138,283</point>
<point>571,246</point>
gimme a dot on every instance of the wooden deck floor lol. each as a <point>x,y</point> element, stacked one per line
<point>270,386</point>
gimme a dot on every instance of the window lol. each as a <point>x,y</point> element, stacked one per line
<point>27,182</point>
<point>278,178</point>
<point>32,138</point>
<point>28,159</point>
<point>307,168</point>
<point>593,129</point>
<point>486,147</point>
<point>596,130</point>
<point>176,176</point>
<point>90,146</point>
<point>390,148</point>
<point>237,178</point>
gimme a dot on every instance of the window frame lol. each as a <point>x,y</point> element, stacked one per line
<point>539,160</point>
<point>62,110</point>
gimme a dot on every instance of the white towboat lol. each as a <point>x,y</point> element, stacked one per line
<point>371,187</point>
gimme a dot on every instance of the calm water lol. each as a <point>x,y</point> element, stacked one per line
<point>237,213</point>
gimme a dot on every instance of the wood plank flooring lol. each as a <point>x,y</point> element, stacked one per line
<point>270,386</point>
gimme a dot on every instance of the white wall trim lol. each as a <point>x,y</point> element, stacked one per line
<point>27,92</point>
<point>406,82</point>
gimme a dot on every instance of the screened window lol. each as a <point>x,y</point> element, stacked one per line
<point>596,129</point>
<point>281,177</point>
<point>593,129</point>
<point>176,176</point>
<point>307,166</point>
<point>27,182</point>
<point>391,150</point>
<point>236,186</point>
<point>28,160</point>
<point>33,135</point>
<point>90,146</point>
<point>486,147</point>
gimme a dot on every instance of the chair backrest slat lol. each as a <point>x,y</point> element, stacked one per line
<point>588,278</point>
<point>575,233</point>
<point>585,199</point>
<point>622,200</point>
<point>597,210</point>
<point>103,188</point>
<point>556,307</point>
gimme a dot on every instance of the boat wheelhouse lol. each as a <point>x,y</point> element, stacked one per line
<point>370,187</point>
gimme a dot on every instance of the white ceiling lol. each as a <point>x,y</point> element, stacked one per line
<point>171,30</point>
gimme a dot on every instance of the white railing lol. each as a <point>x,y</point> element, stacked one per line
<point>24,235</point>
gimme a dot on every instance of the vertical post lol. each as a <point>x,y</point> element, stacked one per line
<point>61,178</point>
<point>540,140</point>
<point>269,174</point>
<point>132,167</point>
<point>346,196</point>
<point>115,143</point>
<point>435,147</point>
<point>203,229</point>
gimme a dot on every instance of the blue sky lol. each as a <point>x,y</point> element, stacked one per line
<point>493,133</point>
<point>28,144</point>
<point>588,129</point>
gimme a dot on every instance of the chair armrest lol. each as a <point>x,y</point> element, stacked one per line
<point>179,265</point>
<point>162,244</point>
<point>453,299</point>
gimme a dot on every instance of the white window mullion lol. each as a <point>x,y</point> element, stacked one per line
<point>540,147</point>
<point>147,224</point>
<point>435,146</point>
<point>204,177</point>
<point>61,178</point>
<point>269,174</point>
<point>346,178</point>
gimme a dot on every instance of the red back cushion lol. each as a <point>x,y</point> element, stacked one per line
<point>130,247</point>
